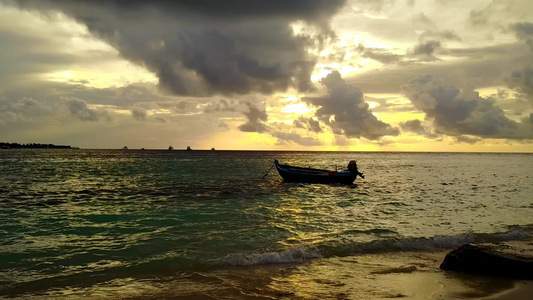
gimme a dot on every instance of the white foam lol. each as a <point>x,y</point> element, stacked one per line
<point>291,255</point>
<point>436,242</point>
<point>302,253</point>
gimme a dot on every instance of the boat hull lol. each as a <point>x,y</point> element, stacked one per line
<point>309,175</point>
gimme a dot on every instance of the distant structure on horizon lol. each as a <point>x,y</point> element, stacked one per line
<point>170,148</point>
<point>34,146</point>
<point>125,148</point>
<point>189,148</point>
<point>212,149</point>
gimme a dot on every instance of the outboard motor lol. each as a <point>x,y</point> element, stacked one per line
<point>352,166</point>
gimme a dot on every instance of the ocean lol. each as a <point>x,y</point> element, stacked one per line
<point>131,224</point>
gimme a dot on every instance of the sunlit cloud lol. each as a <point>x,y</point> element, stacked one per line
<point>262,78</point>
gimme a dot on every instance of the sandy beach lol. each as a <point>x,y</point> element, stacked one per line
<point>406,275</point>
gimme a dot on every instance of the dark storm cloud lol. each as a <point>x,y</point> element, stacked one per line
<point>296,138</point>
<point>205,47</point>
<point>458,112</point>
<point>80,110</point>
<point>308,123</point>
<point>351,116</point>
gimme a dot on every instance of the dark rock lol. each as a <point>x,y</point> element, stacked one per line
<point>491,259</point>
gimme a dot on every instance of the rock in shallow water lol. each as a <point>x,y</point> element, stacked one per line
<point>503,260</point>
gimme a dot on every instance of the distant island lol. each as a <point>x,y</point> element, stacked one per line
<point>34,146</point>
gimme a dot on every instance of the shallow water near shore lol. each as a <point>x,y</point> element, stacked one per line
<point>171,224</point>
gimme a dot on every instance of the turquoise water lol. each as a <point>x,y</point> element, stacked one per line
<point>76,220</point>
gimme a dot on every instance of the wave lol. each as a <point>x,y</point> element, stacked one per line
<point>301,253</point>
<point>419,243</point>
<point>296,254</point>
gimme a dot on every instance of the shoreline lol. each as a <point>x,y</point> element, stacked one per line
<point>405,275</point>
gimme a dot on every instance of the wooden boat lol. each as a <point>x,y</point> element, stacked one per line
<point>310,175</point>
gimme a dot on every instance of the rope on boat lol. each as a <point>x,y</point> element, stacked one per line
<point>268,171</point>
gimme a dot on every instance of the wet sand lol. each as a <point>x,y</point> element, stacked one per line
<point>408,275</point>
<point>523,290</point>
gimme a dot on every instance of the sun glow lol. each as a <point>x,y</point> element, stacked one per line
<point>299,108</point>
<point>322,70</point>
<point>67,75</point>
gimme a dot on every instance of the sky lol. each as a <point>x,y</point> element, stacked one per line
<point>317,75</point>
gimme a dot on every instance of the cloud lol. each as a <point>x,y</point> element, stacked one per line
<point>413,126</point>
<point>522,81</point>
<point>80,110</point>
<point>62,113</point>
<point>202,48</point>
<point>384,56</point>
<point>224,105</point>
<point>458,112</point>
<point>256,119</point>
<point>479,66</point>
<point>308,123</point>
<point>416,126</point>
<point>440,35</point>
<point>423,21</point>
<point>23,109</point>
<point>296,138</point>
<point>524,31</point>
<point>160,119</point>
<point>497,14</point>
<point>345,111</point>
<point>373,5</point>
<point>467,139</point>
<point>139,114</point>
<point>428,43</point>
<point>426,49</point>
